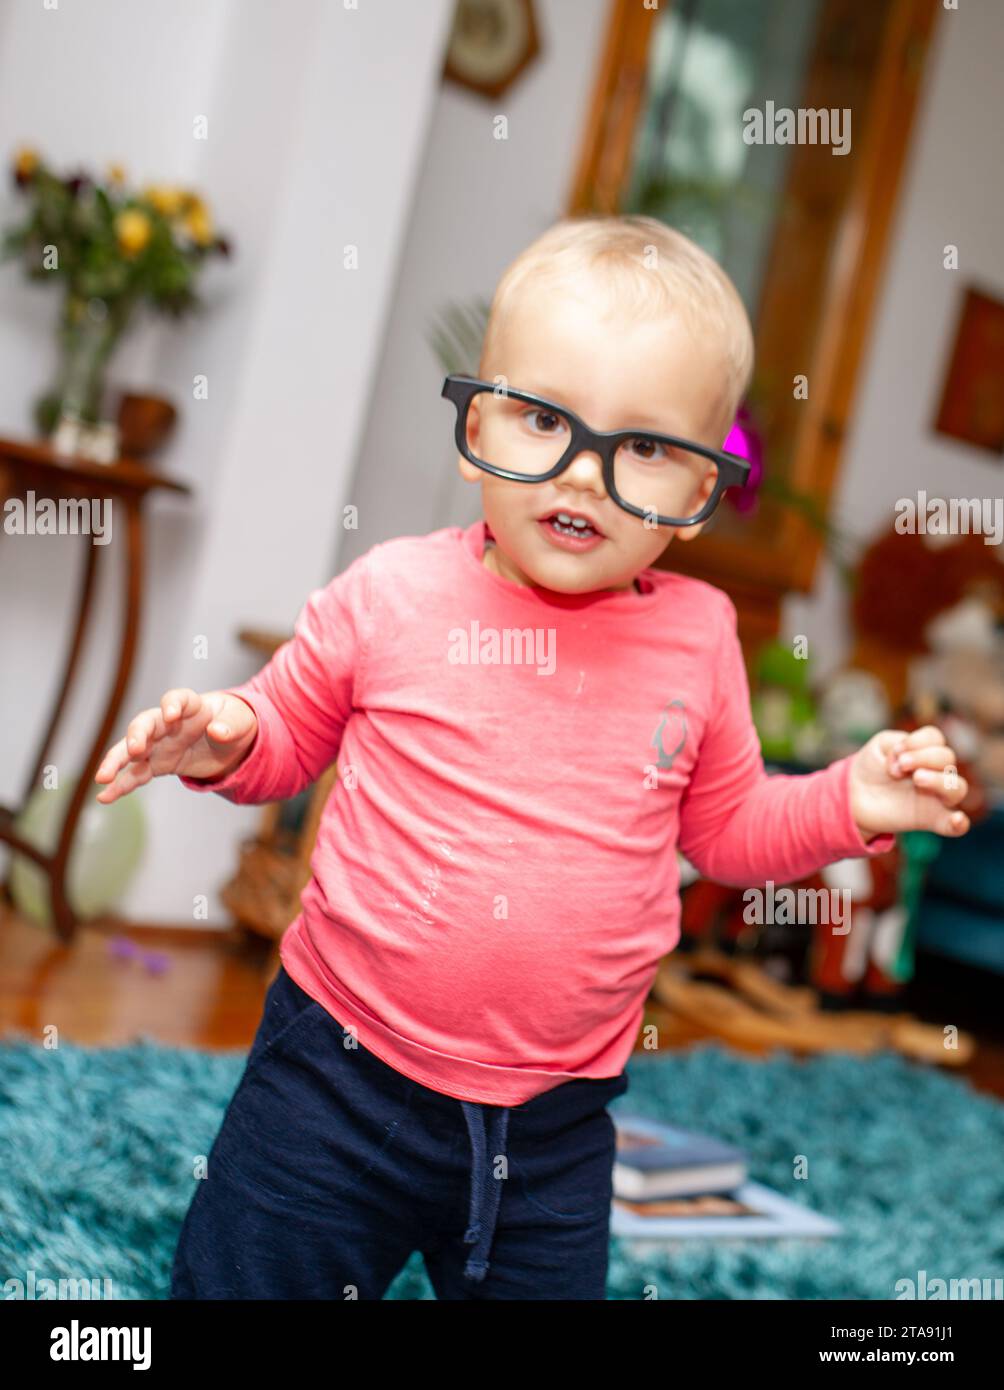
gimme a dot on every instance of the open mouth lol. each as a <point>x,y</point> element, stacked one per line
<point>572,524</point>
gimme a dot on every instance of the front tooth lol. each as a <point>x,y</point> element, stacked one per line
<point>564,518</point>
<point>579,522</point>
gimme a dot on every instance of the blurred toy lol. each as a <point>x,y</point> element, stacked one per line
<point>960,683</point>
<point>861,964</point>
<point>783,709</point>
<point>122,948</point>
<point>852,707</point>
<point>920,848</point>
<point>106,853</point>
<point>905,580</point>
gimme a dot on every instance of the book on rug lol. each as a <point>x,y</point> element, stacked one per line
<point>656,1160</point>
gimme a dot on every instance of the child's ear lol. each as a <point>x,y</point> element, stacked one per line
<point>468,471</point>
<point>690,533</point>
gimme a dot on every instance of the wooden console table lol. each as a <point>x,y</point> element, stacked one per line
<point>127,484</point>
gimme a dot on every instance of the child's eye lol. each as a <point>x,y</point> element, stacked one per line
<point>543,421</point>
<point>649,450</point>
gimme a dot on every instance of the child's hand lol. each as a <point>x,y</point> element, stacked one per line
<point>905,781</point>
<point>189,735</point>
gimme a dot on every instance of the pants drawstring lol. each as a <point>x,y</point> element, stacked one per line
<point>487,1146</point>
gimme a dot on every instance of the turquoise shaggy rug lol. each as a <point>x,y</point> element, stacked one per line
<point>95,1172</point>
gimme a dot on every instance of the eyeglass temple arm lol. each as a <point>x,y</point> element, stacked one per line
<point>741,466</point>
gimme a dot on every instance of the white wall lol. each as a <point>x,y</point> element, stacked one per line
<point>479,201</point>
<point>952,193</point>
<point>317,119</point>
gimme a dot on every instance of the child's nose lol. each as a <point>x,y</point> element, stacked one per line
<point>585,471</point>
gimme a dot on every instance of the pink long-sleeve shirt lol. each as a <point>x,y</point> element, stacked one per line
<point>495,876</point>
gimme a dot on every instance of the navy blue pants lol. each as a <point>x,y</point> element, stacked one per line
<point>331,1168</point>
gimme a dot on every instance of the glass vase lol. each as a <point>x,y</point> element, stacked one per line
<point>88,333</point>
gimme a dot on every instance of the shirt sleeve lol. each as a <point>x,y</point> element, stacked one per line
<point>303,697</point>
<point>738,825</point>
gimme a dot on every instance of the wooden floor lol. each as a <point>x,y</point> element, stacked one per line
<point>211,990</point>
<point>209,995</point>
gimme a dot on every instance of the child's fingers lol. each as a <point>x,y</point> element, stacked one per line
<point>177,704</point>
<point>219,727</point>
<point>903,749</point>
<point>950,791</point>
<point>136,773</point>
<point>145,726</point>
<point>944,822</point>
<point>231,718</point>
<point>930,733</point>
<point>934,755</point>
<point>116,757</point>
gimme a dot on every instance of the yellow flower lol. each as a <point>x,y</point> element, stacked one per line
<point>26,161</point>
<point>116,174</point>
<point>167,199</point>
<point>133,229</point>
<point>199,225</point>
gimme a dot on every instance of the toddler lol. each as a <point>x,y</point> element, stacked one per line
<point>529,721</point>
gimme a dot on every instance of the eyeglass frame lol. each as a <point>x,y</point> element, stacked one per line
<point>733,471</point>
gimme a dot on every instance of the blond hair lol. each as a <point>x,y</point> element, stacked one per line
<point>650,269</point>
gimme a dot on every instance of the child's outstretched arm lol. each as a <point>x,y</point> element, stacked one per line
<point>274,734</point>
<point>740,826</point>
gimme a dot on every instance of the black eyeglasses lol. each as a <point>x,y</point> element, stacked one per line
<point>528,439</point>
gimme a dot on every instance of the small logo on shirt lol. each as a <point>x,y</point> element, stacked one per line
<point>503,646</point>
<point>671,733</point>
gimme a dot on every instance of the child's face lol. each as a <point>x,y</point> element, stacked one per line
<point>658,375</point>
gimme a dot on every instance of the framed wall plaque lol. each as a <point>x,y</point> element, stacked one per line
<point>972,399</point>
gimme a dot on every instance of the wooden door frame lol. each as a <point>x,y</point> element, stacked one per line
<point>850,289</point>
